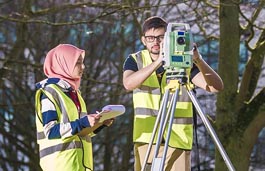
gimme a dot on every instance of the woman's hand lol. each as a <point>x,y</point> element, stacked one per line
<point>93,119</point>
<point>109,122</point>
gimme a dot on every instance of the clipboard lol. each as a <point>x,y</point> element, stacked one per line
<point>111,111</point>
<point>107,112</point>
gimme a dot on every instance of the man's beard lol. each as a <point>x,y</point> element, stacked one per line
<point>155,50</point>
<point>155,53</point>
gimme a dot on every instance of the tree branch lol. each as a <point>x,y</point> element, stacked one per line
<point>252,71</point>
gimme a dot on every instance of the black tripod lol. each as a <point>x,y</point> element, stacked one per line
<point>166,115</point>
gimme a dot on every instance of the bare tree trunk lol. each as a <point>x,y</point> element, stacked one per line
<point>228,70</point>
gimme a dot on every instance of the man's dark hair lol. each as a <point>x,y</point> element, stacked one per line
<point>154,22</point>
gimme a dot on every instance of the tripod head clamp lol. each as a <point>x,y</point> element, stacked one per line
<point>176,78</point>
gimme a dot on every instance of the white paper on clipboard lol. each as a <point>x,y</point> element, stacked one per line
<point>111,111</point>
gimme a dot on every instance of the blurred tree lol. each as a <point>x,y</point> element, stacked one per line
<point>240,110</point>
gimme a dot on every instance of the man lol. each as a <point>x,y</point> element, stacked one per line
<point>144,75</point>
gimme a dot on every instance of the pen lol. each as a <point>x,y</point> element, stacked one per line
<point>98,113</point>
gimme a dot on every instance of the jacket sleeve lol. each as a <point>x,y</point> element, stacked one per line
<point>53,128</point>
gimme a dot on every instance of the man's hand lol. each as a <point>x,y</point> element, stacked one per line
<point>196,54</point>
<point>161,53</point>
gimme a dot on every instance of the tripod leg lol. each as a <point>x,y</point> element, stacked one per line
<point>158,162</point>
<point>172,110</point>
<point>210,130</point>
<point>160,118</point>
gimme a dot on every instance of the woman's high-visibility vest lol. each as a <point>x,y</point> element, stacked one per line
<point>147,99</point>
<point>73,153</point>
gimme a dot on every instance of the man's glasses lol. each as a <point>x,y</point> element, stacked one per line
<point>152,38</point>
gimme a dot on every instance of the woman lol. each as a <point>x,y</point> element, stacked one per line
<point>64,128</point>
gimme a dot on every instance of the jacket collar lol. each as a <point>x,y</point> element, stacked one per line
<point>60,82</point>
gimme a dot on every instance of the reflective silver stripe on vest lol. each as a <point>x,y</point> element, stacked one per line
<point>60,147</point>
<point>56,98</point>
<point>147,89</point>
<point>145,111</point>
<point>40,135</point>
<point>151,112</point>
<point>183,121</point>
<point>139,60</point>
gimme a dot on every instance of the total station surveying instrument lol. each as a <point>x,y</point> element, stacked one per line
<point>178,45</point>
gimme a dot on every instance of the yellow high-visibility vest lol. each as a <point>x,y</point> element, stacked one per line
<point>147,99</point>
<point>74,153</point>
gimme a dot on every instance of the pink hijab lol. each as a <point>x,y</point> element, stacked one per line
<point>60,62</point>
